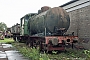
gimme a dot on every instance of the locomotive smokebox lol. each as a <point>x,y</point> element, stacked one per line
<point>54,20</point>
<point>57,20</point>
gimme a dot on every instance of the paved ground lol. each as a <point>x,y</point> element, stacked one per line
<point>7,52</point>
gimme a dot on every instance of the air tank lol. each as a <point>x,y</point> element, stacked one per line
<point>51,21</point>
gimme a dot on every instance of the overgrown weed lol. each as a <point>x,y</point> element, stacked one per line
<point>70,54</point>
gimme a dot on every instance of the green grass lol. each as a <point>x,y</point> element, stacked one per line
<point>7,40</point>
<point>31,53</point>
<point>34,54</point>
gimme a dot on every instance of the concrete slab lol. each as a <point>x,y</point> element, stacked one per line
<point>13,52</point>
<point>1,52</point>
<point>7,52</point>
<point>16,58</point>
<point>3,55</point>
<point>7,45</point>
<point>15,55</point>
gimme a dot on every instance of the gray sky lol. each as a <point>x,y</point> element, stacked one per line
<point>12,10</point>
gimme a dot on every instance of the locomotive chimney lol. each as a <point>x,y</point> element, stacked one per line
<point>44,8</point>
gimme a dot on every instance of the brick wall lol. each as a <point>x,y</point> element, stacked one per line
<point>80,22</point>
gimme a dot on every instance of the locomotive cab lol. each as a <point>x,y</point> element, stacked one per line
<point>24,30</point>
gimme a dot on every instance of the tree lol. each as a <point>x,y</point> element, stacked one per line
<point>3,26</point>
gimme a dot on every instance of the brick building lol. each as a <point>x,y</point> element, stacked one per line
<point>79,12</point>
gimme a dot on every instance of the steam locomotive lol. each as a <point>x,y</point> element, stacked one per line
<point>46,29</point>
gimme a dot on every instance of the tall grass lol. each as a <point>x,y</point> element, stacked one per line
<point>70,54</point>
<point>32,53</point>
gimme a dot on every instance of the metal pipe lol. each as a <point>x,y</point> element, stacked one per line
<point>45,31</point>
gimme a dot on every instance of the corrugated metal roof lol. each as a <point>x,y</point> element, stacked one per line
<point>72,1</point>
